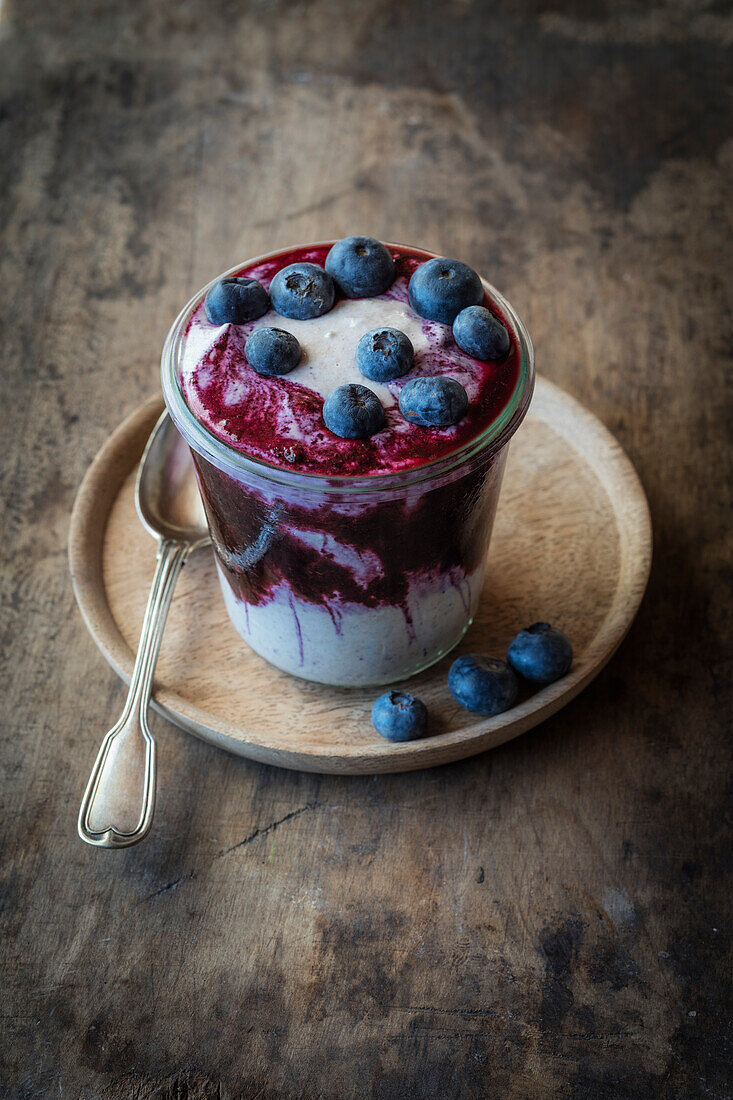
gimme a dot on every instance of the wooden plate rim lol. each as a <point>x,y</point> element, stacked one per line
<point>583,432</point>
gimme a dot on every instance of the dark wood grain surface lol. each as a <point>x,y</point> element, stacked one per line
<point>549,919</point>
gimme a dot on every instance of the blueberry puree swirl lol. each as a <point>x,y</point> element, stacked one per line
<point>366,554</point>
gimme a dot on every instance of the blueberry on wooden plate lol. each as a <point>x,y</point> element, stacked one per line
<point>399,716</point>
<point>486,685</point>
<point>540,653</point>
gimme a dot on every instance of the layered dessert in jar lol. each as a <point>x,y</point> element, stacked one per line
<point>348,406</point>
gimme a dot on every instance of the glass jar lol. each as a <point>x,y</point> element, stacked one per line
<point>351,580</point>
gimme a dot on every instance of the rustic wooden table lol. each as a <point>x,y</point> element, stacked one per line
<point>549,919</point>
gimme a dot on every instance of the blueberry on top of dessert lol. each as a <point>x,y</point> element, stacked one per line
<point>439,289</point>
<point>302,291</point>
<point>234,301</point>
<point>361,267</point>
<point>479,333</point>
<point>353,412</point>
<point>433,402</point>
<point>272,351</point>
<point>384,354</point>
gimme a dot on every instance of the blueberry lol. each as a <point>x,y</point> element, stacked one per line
<point>361,267</point>
<point>484,684</point>
<point>353,412</point>
<point>399,716</point>
<point>272,351</point>
<point>384,354</point>
<point>480,334</point>
<point>540,653</point>
<point>235,301</point>
<point>302,291</point>
<point>439,289</point>
<point>433,402</point>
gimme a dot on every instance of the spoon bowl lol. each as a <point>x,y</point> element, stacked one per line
<point>166,494</point>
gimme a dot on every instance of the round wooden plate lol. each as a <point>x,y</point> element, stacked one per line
<point>571,545</point>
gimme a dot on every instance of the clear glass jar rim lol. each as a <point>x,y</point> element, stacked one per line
<point>494,436</point>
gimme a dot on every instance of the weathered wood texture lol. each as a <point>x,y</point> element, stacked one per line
<point>547,919</point>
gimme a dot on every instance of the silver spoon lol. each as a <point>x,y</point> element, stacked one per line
<point>119,802</point>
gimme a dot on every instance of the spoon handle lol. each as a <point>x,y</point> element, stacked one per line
<point>119,802</point>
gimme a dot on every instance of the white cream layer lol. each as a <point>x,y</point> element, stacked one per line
<point>360,646</point>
